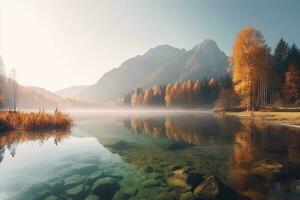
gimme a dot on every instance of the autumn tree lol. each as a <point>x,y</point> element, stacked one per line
<point>252,74</point>
<point>137,98</point>
<point>159,95</point>
<point>227,100</point>
<point>127,99</point>
<point>196,93</point>
<point>291,87</point>
<point>148,97</point>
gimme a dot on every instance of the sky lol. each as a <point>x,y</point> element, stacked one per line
<point>55,44</point>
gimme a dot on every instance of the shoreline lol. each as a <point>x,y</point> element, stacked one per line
<point>290,119</point>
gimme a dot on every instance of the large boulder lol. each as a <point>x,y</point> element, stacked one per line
<point>212,188</point>
<point>185,179</point>
<point>105,188</point>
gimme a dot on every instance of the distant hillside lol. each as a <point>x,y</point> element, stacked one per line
<point>34,97</point>
<point>45,93</point>
<point>71,92</point>
<point>160,65</point>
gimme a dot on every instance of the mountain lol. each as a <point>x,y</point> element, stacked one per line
<point>130,74</point>
<point>45,93</point>
<point>203,61</point>
<point>71,92</point>
<point>159,66</point>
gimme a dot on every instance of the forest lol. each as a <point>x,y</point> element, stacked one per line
<point>257,79</point>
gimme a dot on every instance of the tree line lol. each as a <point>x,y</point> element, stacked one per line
<point>186,94</point>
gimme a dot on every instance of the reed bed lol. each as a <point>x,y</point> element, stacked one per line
<point>34,121</point>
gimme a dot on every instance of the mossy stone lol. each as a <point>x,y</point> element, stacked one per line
<point>151,182</point>
<point>75,192</point>
<point>105,188</point>
<point>92,197</point>
<point>94,176</point>
<point>71,181</point>
<point>51,197</point>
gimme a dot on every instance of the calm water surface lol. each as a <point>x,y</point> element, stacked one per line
<point>119,155</point>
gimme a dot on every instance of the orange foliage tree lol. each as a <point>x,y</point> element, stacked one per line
<point>252,71</point>
<point>291,87</point>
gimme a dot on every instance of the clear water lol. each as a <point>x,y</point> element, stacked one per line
<point>138,151</point>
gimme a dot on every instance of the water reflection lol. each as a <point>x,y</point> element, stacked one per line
<point>140,151</point>
<point>258,159</point>
<point>11,140</point>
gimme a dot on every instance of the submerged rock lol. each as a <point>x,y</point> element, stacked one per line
<point>76,192</point>
<point>185,178</point>
<point>130,191</point>
<point>105,188</point>
<point>148,169</point>
<point>172,195</point>
<point>83,168</point>
<point>51,197</point>
<point>120,195</point>
<point>92,197</point>
<point>64,197</point>
<point>122,145</point>
<point>116,176</point>
<point>187,196</point>
<point>151,182</point>
<point>94,176</point>
<point>208,189</point>
<point>44,194</point>
<point>72,181</point>
<point>212,188</point>
<point>177,146</point>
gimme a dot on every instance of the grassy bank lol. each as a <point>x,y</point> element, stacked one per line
<point>34,121</point>
<point>291,118</point>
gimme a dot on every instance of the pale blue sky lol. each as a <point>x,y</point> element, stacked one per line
<point>60,43</point>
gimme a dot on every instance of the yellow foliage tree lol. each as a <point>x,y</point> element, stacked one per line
<point>252,69</point>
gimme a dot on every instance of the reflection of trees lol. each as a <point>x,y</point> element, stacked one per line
<point>187,128</point>
<point>11,140</point>
<point>2,151</point>
<point>261,142</point>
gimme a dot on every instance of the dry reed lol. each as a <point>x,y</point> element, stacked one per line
<point>34,121</point>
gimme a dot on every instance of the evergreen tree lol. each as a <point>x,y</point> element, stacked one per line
<point>280,58</point>
<point>293,57</point>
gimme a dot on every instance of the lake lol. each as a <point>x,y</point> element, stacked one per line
<point>151,155</point>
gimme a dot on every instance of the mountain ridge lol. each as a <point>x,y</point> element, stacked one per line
<point>160,65</point>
